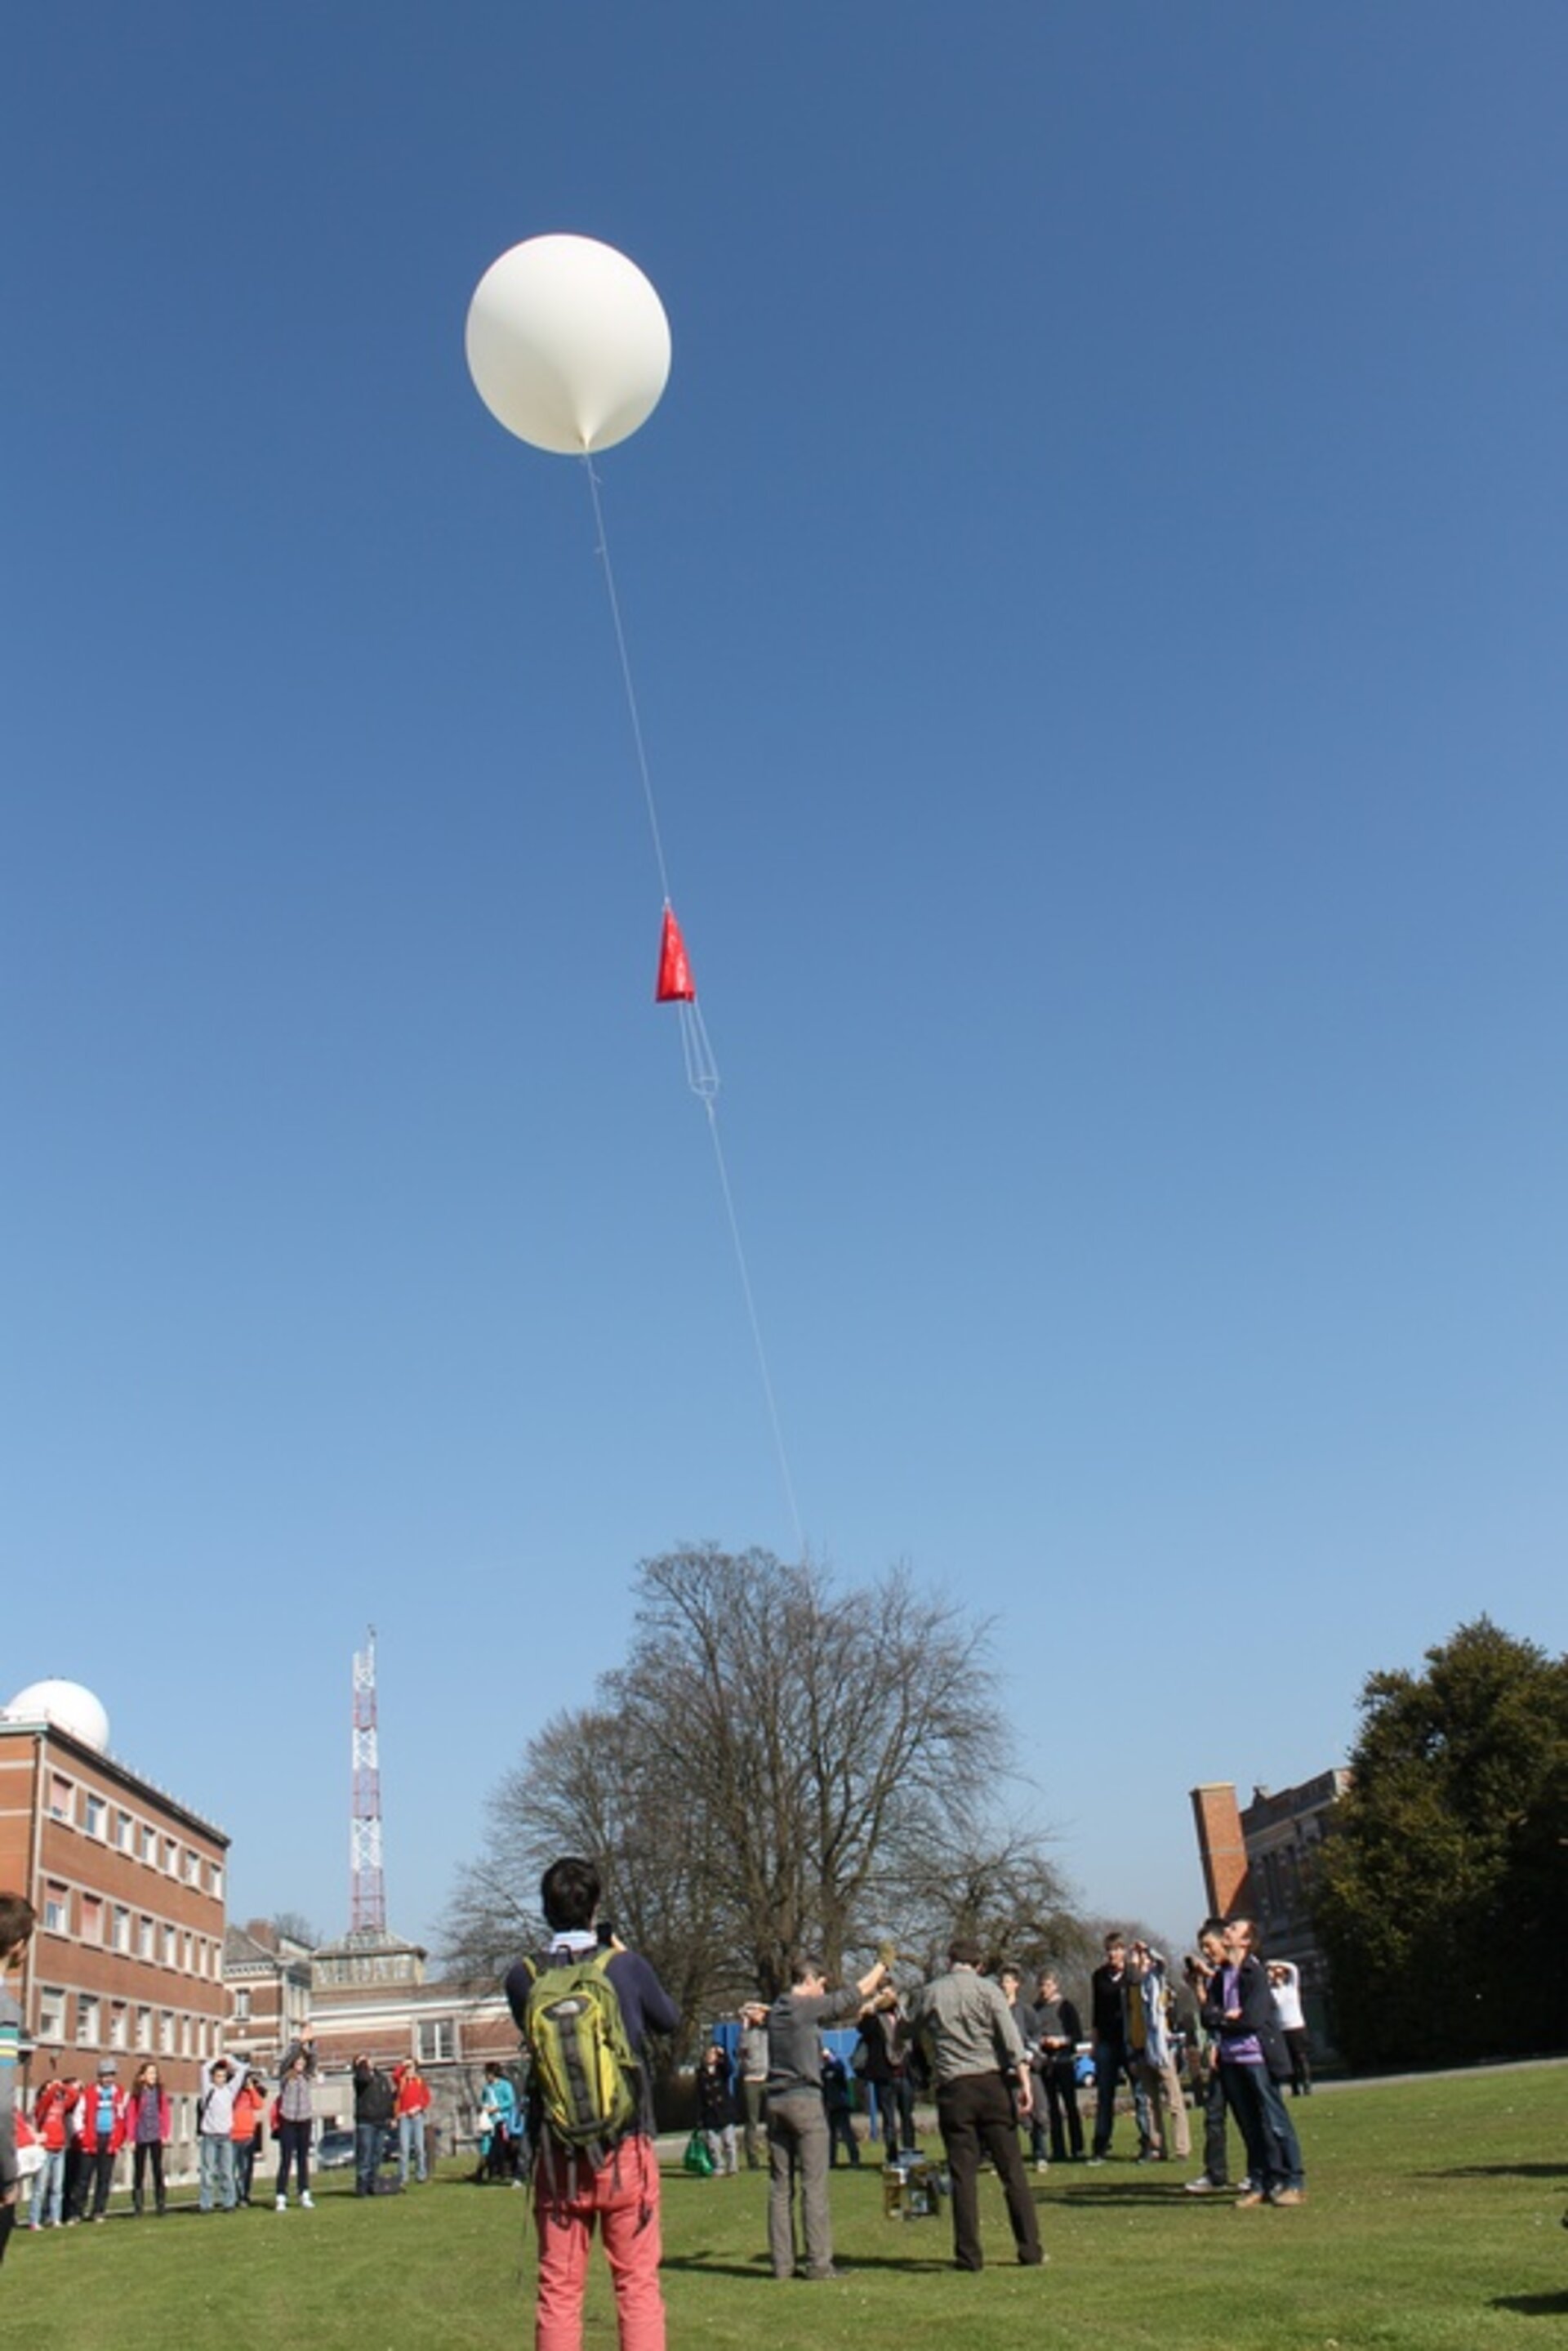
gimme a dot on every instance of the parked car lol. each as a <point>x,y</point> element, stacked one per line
<point>334,2150</point>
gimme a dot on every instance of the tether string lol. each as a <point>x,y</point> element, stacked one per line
<point>604,555</point>
<point>701,1073</point>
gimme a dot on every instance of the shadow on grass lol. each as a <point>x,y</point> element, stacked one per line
<point>757,2267</point>
<point>1533,2305</point>
<point>1498,2171</point>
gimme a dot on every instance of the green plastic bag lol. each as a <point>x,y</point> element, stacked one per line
<point>697,2160</point>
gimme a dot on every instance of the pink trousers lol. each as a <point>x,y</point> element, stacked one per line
<point>622,2196</point>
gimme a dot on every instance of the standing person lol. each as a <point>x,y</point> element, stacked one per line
<point>215,2137</point>
<point>838,2105</point>
<point>50,2122</point>
<point>250,2110</point>
<point>1286,1988</point>
<point>903,2075</point>
<point>1152,2055</point>
<point>71,2110</point>
<point>1199,1968</point>
<point>879,2071</point>
<point>295,2116</point>
<point>497,2123</point>
<point>1058,2032</point>
<point>982,2070</point>
<point>17,1919</point>
<point>373,2107</point>
<point>797,2121</point>
<point>609,2182</point>
<point>103,2136</point>
<point>147,2126</point>
<point>1239,2012</point>
<point>412,2097</point>
<point>716,2108</point>
<point>754,2083</point>
<point>1107,2032</point>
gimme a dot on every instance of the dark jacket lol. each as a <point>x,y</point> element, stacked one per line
<point>1105,2005</point>
<point>374,2097</point>
<point>645,2006</point>
<point>1256,2003</point>
<point>715,2106</point>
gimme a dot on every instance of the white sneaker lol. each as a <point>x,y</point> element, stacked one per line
<point>280,2204</point>
<point>308,2202</point>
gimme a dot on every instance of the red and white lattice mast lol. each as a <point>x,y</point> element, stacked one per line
<point>368,1899</point>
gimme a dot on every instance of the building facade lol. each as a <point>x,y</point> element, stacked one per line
<point>127,1962</point>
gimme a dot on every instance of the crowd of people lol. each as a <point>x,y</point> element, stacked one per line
<point>58,2157</point>
<point>1001,2071</point>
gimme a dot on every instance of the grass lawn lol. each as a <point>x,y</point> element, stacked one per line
<point>1432,2220</point>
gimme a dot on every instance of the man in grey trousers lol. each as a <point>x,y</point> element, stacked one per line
<point>797,2120</point>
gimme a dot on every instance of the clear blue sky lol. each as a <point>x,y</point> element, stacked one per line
<point>1096,589</point>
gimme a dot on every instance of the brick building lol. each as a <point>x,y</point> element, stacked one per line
<point>1258,1863</point>
<point>126,1962</point>
<point>269,1977</point>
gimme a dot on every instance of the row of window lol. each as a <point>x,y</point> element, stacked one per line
<point>136,1933</point>
<point>124,2024</point>
<point>84,1808</point>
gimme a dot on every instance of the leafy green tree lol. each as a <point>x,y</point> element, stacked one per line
<point>1440,1897</point>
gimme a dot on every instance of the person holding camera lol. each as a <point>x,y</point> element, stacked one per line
<point>797,2120</point>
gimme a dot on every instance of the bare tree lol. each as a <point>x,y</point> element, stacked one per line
<point>777,1762</point>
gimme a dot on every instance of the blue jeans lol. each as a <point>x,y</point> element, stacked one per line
<point>882,2112</point>
<point>216,2173</point>
<point>412,2142</point>
<point>48,2189</point>
<point>1273,2154</point>
<point>368,2139</point>
<point>1110,2067</point>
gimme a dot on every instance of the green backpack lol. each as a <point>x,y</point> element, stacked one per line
<point>584,2076</point>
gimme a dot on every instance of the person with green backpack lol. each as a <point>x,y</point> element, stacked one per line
<point>585,2007</point>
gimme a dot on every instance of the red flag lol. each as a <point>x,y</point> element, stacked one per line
<point>675,981</point>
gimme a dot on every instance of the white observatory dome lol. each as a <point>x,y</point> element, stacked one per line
<point>67,1704</point>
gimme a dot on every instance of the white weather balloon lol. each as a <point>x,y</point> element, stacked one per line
<point>568,345</point>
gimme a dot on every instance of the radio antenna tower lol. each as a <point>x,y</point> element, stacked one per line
<point>368,1898</point>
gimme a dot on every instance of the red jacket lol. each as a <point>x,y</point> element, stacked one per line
<point>116,2138</point>
<point>414,2093</point>
<point>51,2115</point>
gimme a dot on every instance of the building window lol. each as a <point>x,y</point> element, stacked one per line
<point>125,1832</point>
<point>215,1880</point>
<point>121,1928</point>
<point>56,1909</point>
<point>184,2036</point>
<point>168,1945</point>
<point>119,2025</point>
<point>193,1868</point>
<point>145,2028</point>
<point>243,2004</point>
<point>150,1845</point>
<point>92,1917</point>
<point>51,2013</point>
<point>437,2040</point>
<point>144,1938</point>
<point>171,1856</point>
<point>87,2018</point>
<point>62,1793</point>
<point>97,1816</point>
<point>166,2032</point>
